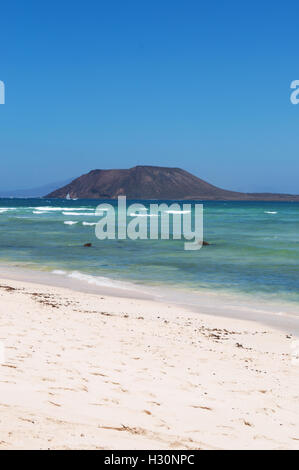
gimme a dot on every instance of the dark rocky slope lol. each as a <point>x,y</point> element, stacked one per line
<point>152,182</point>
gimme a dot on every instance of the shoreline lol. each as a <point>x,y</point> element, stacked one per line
<point>282,316</point>
<point>84,370</point>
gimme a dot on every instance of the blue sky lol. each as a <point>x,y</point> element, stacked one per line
<point>200,85</point>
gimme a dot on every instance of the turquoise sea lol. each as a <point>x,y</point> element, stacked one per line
<point>254,247</point>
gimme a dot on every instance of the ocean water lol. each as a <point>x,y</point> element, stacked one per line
<point>254,248</point>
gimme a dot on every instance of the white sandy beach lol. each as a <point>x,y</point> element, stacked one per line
<point>86,371</point>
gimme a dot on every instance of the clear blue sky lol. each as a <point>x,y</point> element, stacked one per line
<point>110,84</point>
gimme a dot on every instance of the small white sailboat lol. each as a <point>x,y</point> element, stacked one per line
<point>69,198</point>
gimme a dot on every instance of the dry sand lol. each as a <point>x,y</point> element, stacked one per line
<point>85,371</point>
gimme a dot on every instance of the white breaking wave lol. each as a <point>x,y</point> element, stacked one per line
<point>89,223</point>
<point>48,208</point>
<point>94,280</point>
<point>177,212</point>
<point>40,212</point>
<point>143,215</point>
<point>78,213</point>
<point>6,209</point>
<point>269,212</point>
<point>70,222</point>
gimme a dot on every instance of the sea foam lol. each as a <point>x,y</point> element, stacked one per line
<point>94,280</point>
<point>78,213</point>
<point>143,215</point>
<point>177,212</point>
<point>59,209</point>
<point>6,209</point>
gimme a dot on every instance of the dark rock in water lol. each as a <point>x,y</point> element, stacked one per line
<point>88,245</point>
<point>205,243</point>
